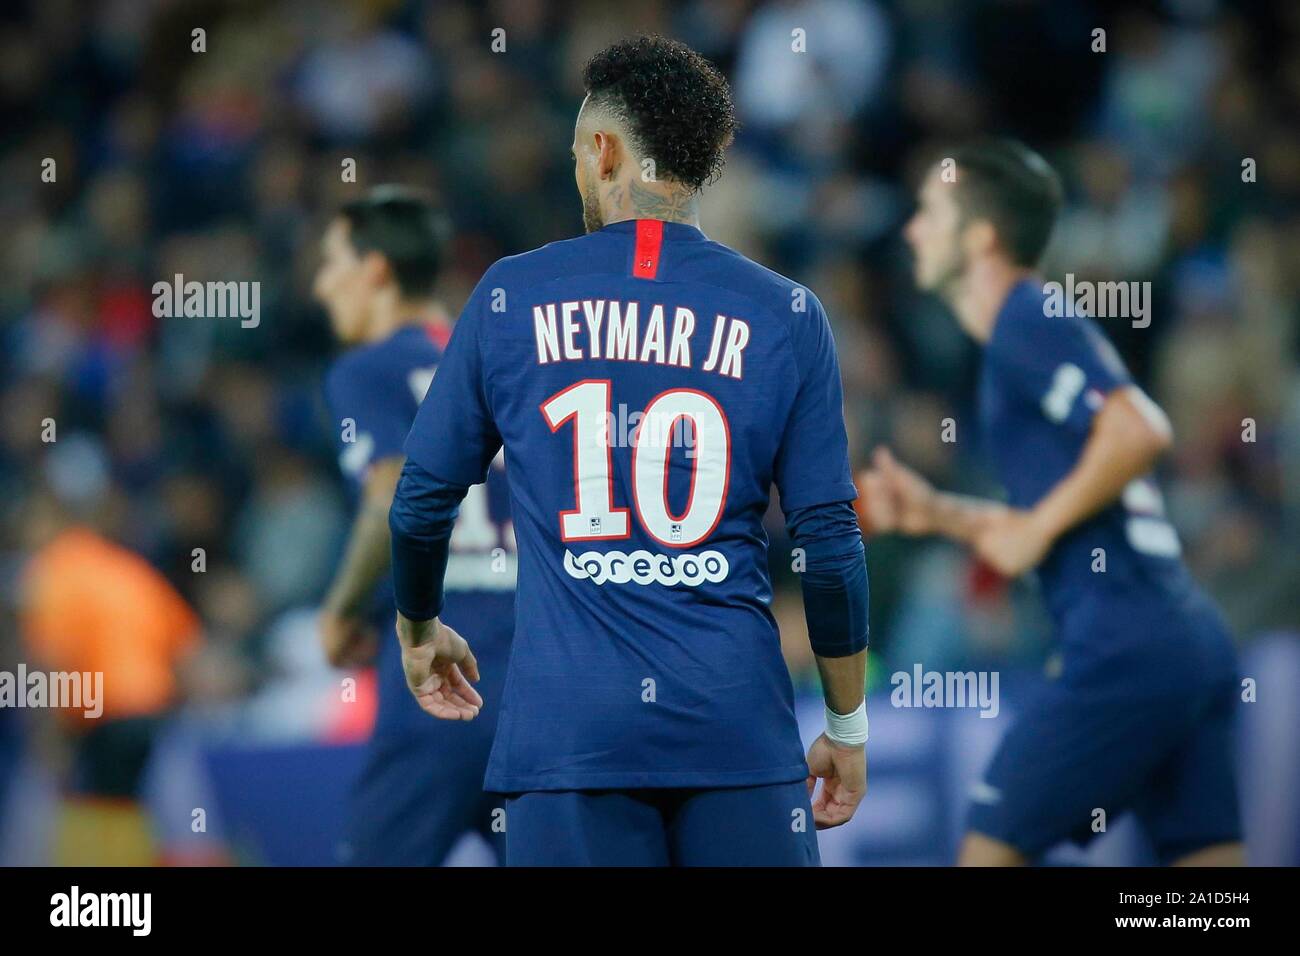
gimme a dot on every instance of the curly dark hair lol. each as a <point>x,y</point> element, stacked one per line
<point>676,104</point>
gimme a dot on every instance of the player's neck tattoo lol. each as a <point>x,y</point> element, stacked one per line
<point>675,205</point>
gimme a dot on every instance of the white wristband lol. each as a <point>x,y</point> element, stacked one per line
<point>847,730</point>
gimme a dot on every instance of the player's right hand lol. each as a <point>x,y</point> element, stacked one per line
<point>843,773</point>
<point>876,508</point>
<point>439,667</point>
<point>347,641</point>
<point>905,500</point>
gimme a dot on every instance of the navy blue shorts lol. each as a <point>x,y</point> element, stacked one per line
<point>421,787</point>
<point>1141,720</point>
<point>417,796</point>
<point>768,825</point>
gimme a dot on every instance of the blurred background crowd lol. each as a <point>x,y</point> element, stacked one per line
<point>224,164</point>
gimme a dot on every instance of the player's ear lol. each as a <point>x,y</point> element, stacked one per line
<point>980,237</point>
<point>607,150</point>
<point>376,269</point>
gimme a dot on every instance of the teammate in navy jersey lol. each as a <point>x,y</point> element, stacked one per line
<point>1141,715</point>
<point>421,786</point>
<point>648,386</point>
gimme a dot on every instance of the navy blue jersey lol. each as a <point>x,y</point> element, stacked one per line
<point>649,386</point>
<point>1043,379</point>
<point>373,394</point>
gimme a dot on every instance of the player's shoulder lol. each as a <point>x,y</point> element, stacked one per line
<point>368,367</point>
<point>770,288</point>
<point>1024,307</point>
<point>776,297</point>
<point>345,368</point>
<point>555,260</point>
<point>1032,306</point>
<point>1033,311</point>
<point>1026,322</point>
<point>1032,332</point>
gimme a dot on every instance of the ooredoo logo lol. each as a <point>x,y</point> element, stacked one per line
<point>642,567</point>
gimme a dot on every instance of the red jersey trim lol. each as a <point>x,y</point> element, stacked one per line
<point>649,241</point>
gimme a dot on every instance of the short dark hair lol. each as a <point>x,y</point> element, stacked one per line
<point>1015,189</point>
<point>407,227</point>
<point>677,105</point>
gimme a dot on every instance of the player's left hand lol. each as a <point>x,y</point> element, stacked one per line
<point>1012,541</point>
<point>347,641</point>
<point>843,773</point>
<point>439,667</point>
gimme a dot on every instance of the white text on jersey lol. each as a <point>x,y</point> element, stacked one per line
<point>609,329</point>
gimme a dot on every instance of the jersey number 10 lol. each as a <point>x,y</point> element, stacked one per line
<point>588,404</point>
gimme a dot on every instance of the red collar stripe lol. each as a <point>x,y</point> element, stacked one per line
<point>649,240</point>
<point>439,333</point>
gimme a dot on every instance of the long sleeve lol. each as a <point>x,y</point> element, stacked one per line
<point>834,581</point>
<point>421,518</point>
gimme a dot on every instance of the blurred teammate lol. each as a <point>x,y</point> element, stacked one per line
<point>648,386</point>
<point>421,787</point>
<point>1141,715</point>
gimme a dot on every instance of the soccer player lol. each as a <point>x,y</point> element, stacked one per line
<point>421,786</point>
<point>649,386</point>
<point>1141,715</point>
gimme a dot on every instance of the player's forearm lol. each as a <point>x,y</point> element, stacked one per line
<point>420,521</point>
<point>844,681</point>
<point>959,517</point>
<point>836,598</point>
<point>364,562</point>
<point>1123,445</point>
<point>367,555</point>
